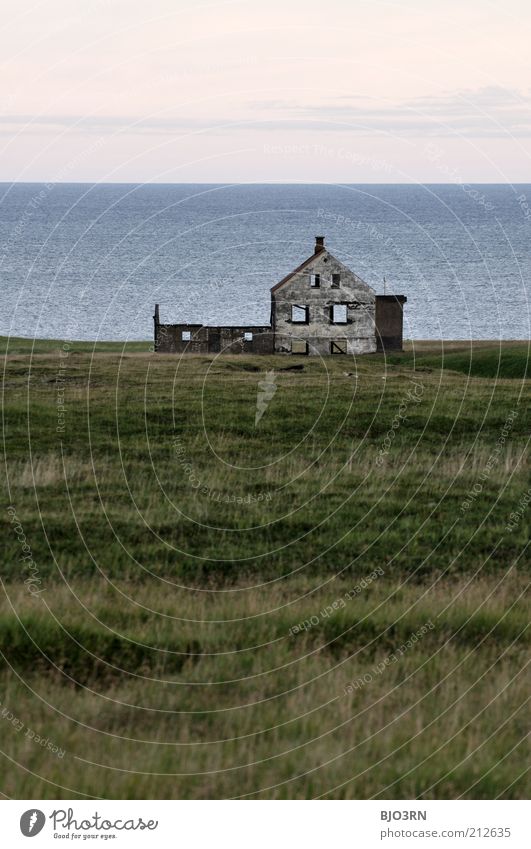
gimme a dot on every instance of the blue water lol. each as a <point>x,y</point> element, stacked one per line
<point>84,261</point>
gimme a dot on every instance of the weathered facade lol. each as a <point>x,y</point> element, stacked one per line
<point>321,308</point>
<point>204,339</point>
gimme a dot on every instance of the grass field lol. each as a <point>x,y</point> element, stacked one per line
<point>326,602</point>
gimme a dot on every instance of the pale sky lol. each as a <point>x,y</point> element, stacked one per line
<point>240,90</point>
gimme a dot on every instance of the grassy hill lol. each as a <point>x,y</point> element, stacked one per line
<point>322,600</point>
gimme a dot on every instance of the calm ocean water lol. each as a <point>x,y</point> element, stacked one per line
<point>89,261</point>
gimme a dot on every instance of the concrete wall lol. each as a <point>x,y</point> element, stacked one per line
<point>212,340</point>
<point>390,322</point>
<point>359,331</point>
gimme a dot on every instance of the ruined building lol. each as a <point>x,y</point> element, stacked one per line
<point>320,308</point>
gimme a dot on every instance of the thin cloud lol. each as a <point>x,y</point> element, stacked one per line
<point>487,112</point>
<point>490,111</point>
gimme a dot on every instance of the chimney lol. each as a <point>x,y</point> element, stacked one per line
<point>156,316</point>
<point>319,244</point>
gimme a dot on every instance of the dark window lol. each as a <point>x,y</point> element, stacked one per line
<point>299,314</point>
<point>315,281</point>
<point>336,280</point>
<point>338,346</point>
<point>338,313</point>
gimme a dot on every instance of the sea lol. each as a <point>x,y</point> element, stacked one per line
<point>89,261</point>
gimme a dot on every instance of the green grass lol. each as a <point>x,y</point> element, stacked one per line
<point>505,360</point>
<point>205,592</point>
<point>19,345</point>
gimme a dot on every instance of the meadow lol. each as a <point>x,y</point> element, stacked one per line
<point>324,600</point>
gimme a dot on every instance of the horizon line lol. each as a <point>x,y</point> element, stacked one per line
<point>254,183</point>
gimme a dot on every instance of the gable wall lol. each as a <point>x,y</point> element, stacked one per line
<point>360,298</point>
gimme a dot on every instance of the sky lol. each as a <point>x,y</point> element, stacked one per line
<point>343,91</point>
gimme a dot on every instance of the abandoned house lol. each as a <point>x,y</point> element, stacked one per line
<point>320,308</point>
